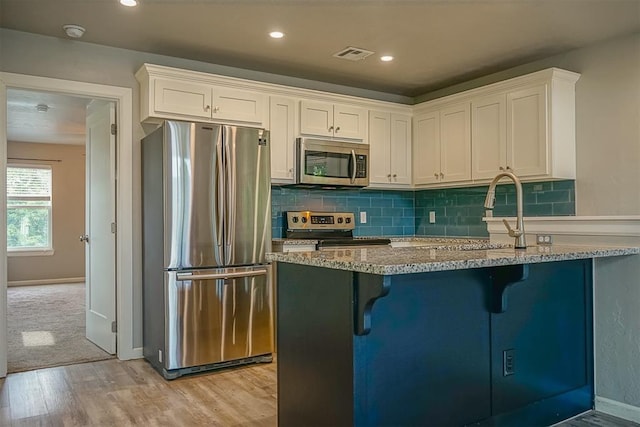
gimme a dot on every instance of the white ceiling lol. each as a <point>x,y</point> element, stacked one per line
<point>435,43</point>
<point>62,123</point>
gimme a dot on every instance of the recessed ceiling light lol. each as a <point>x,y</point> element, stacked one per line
<point>74,31</point>
<point>386,58</point>
<point>276,34</point>
<point>129,3</point>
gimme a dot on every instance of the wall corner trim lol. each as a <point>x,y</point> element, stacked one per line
<point>617,409</point>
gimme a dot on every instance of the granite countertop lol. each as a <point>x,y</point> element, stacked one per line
<point>410,239</point>
<point>419,259</point>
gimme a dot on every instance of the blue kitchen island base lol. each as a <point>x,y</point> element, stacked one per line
<point>504,345</point>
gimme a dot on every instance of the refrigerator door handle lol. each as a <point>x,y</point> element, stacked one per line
<point>230,193</point>
<point>228,275</point>
<point>219,208</point>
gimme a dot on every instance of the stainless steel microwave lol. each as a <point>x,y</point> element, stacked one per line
<point>331,163</point>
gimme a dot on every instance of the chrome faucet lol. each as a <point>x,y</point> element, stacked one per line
<point>518,233</point>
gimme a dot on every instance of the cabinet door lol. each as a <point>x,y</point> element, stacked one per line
<point>489,136</point>
<point>379,134</point>
<point>349,122</point>
<point>400,148</point>
<point>455,143</point>
<point>426,148</point>
<point>282,128</point>
<point>316,118</point>
<point>238,105</point>
<point>527,141</point>
<point>181,98</point>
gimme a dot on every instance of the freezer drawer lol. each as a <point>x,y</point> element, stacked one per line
<point>217,315</point>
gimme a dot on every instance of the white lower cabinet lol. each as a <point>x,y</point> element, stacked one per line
<point>389,150</point>
<point>442,145</point>
<point>282,125</point>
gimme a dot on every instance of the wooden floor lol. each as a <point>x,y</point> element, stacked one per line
<point>116,393</point>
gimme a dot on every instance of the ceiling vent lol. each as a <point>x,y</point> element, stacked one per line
<point>353,54</point>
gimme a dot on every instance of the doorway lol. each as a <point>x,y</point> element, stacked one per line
<point>127,306</point>
<point>50,186</point>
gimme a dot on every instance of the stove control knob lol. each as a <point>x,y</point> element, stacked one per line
<point>303,219</point>
<point>348,220</point>
<point>294,219</point>
<point>340,220</point>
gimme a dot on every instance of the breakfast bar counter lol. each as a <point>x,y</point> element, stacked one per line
<point>439,334</point>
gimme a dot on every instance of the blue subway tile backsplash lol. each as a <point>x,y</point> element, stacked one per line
<point>388,212</point>
<point>458,211</point>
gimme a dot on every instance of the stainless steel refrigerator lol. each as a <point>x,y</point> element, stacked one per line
<point>207,292</point>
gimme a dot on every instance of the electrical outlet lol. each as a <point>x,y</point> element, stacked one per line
<point>363,217</point>
<point>432,217</point>
<point>508,362</point>
<point>544,239</point>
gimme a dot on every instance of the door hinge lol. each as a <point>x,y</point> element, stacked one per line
<point>114,326</point>
<point>114,129</point>
<point>114,228</point>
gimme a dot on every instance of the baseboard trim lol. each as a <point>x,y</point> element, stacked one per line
<point>133,353</point>
<point>46,281</point>
<point>618,409</point>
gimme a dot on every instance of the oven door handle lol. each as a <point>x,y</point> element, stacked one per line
<point>353,166</point>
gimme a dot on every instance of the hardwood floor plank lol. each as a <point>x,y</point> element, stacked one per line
<point>25,395</point>
<point>60,399</point>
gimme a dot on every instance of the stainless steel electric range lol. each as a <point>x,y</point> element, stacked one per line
<point>332,230</point>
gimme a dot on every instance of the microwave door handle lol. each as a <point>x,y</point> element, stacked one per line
<point>353,166</point>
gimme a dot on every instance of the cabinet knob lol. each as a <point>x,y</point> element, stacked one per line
<point>436,175</point>
<point>441,175</point>
<point>338,129</point>
<point>395,175</point>
<point>508,168</point>
<point>330,128</point>
<point>501,168</point>
<point>389,176</point>
<point>291,172</point>
<point>216,109</point>
<point>207,107</point>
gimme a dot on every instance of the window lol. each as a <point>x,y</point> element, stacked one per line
<point>28,208</point>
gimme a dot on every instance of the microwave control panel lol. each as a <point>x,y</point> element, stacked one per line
<point>361,166</point>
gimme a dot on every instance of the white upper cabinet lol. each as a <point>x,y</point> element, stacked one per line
<point>333,120</point>
<point>442,145</point>
<point>525,125</point>
<point>527,128</point>
<point>527,142</point>
<point>389,150</point>
<point>167,93</point>
<point>181,98</point>
<point>282,125</point>
<point>489,135</point>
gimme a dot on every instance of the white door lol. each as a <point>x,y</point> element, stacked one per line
<point>426,148</point>
<point>100,238</point>
<point>400,149</point>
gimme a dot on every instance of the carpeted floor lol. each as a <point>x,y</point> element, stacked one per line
<point>47,327</point>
